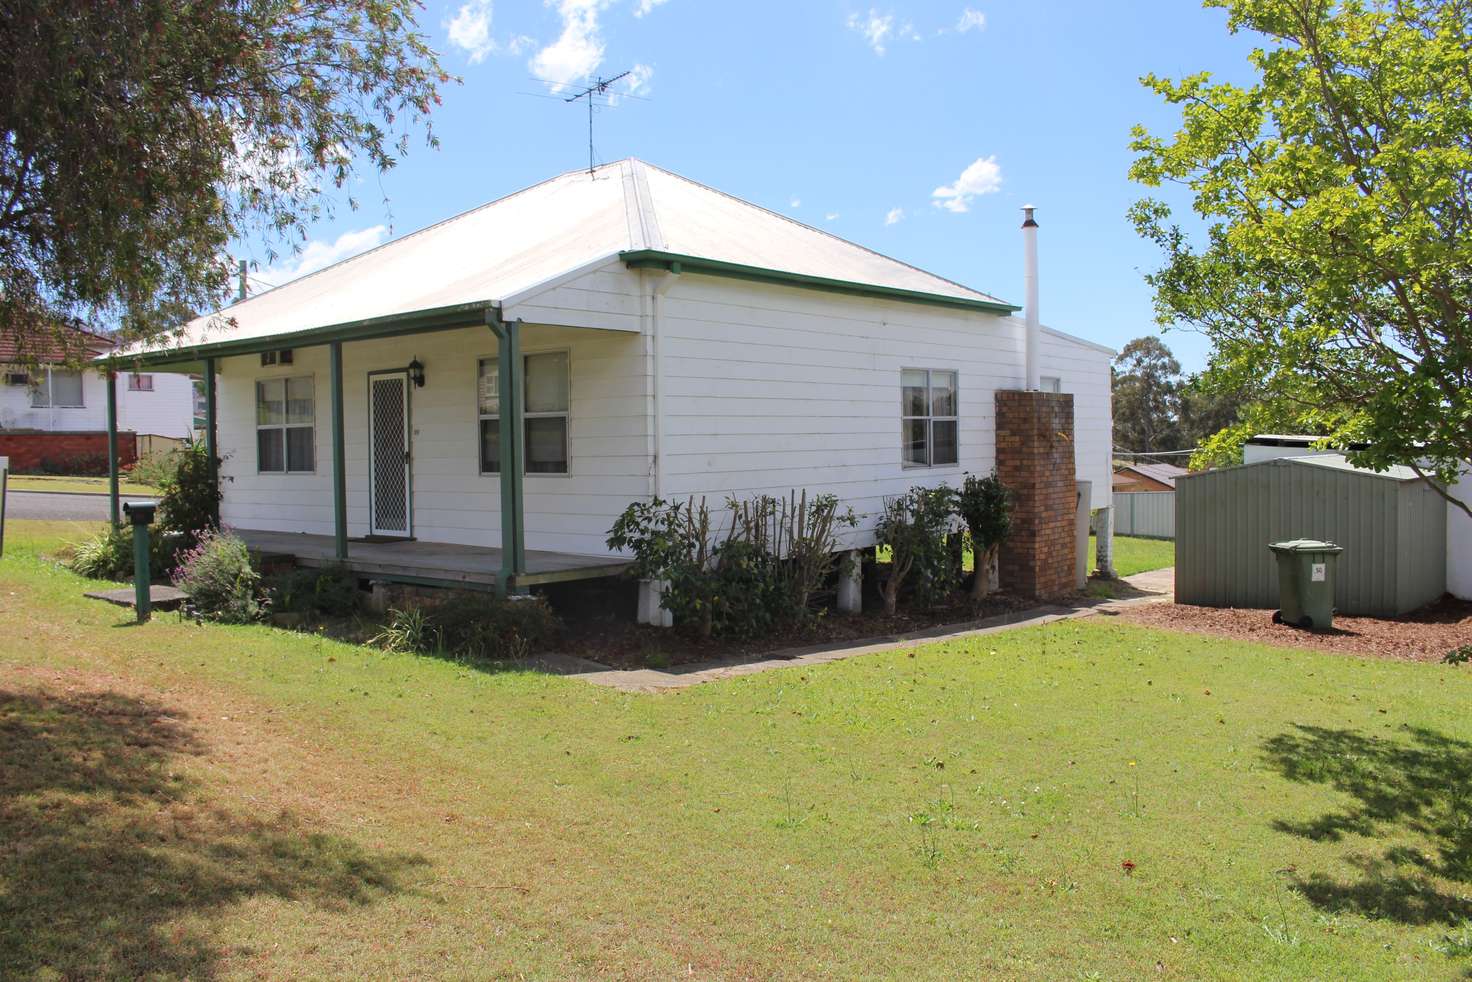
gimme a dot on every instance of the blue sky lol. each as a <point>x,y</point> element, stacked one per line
<point>915,128</point>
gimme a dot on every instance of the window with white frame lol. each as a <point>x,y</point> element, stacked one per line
<point>929,426</point>
<point>140,383</point>
<point>285,420</point>
<point>546,387</point>
<point>1050,383</point>
<point>58,390</point>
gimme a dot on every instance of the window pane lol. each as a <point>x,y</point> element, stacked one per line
<point>943,442</point>
<point>270,402</point>
<point>912,438</point>
<point>1050,383</point>
<point>299,400</point>
<point>912,393</point>
<point>546,383</point>
<point>490,446</point>
<point>546,446</point>
<point>942,393</point>
<point>490,387</point>
<point>64,392</point>
<point>270,451</point>
<point>299,449</point>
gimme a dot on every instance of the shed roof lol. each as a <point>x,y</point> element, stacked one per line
<point>515,245</point>
<point>1164,473</point>
<point>1328,461</point>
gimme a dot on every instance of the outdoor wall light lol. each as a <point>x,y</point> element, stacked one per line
<point>416,373</point>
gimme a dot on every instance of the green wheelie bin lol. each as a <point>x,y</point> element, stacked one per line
<point>1306,583</point>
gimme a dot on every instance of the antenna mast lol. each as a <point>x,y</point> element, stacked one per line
<point>599,87</point>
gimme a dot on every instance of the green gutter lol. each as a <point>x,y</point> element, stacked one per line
<point>676,263</point>
<point>391,325</point>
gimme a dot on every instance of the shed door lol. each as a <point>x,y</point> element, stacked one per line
<point>388,432</point>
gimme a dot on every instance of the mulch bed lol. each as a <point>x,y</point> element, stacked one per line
<point>1426,635</point>
<point>621,644</point>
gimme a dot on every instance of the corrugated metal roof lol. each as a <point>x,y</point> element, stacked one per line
<point>1164,473</point>
<point>1339,462</point>
<point>511,246</point>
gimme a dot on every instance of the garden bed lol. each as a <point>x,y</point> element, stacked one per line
<point>1426,635</point>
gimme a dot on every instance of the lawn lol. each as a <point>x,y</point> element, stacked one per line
<point>1135,555</point>
<point>1082,800</point>
<point>75,485</point>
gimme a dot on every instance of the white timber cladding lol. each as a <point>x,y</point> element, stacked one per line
<point>766,389</point>
<point>165,410</point>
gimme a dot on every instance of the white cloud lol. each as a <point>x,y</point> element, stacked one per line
<point>796,202</point>
<point>640,77</point>
<point>984,176</point>
<point>832,216</point>
<point>578,50</point>
<point>645,6</point>
<point>895,216</point>
<point>879,29</point>
<point>971,20</point>
<point>317,255</point>
<point>470,30</point>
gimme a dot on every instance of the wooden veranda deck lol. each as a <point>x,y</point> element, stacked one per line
<point>431,563</point>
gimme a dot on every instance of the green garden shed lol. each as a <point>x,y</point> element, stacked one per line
<point>1391,524</point>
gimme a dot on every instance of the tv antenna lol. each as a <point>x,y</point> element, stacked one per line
<point>599,87</point>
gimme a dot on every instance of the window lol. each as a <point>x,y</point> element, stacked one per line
<point>284,426</point>
<point>546,386</point>
<point>58,390</point>
<point>1050,383</point>
<point>140,383</point>
<point>929,431</point>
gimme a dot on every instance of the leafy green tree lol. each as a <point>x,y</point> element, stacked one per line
<point>1206,410</point>
<point>1335,191</point>
<point>141,137</point>
<point>1147,397</point>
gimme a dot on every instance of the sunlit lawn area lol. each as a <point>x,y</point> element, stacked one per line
<point>75,485</point>
<point>1076,801</point>
<point>1135,555</point>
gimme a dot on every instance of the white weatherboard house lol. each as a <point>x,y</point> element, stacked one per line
<point>656,338</point>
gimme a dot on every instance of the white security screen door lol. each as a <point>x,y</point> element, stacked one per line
<point>388,440</point>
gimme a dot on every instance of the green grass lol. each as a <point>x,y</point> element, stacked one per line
<point>1135,555</point>
<point>88,485</point>
<point>182,800</point>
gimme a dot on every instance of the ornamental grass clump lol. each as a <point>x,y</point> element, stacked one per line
<point>217,575</point>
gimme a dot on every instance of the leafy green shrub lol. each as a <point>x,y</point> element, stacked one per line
<point>108,555</point>
<point>219,579</point>
<point>1458,656</point>
<point>493,630</point>
<point>914,528</point>
<point>985,505</point>
<point>189,500</point>
<point>331,591</point>
<point>155,468</point>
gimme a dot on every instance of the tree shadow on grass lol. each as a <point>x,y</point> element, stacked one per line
<point>110,859</point>
<point>1413,792</point>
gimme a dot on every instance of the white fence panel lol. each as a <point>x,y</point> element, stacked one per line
<point>1148,514</point>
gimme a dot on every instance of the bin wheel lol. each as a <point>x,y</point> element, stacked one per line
<point>1277,617</point>
<point>1306,622</point>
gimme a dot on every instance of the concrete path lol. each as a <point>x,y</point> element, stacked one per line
<point>1153,587</point>
<point>58,506</point>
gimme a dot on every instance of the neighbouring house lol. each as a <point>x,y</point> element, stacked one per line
<point>1147,477</point>
<point>53,411</point>
<point>476,402</point>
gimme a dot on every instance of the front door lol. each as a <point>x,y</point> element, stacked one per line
<point>388,442</point>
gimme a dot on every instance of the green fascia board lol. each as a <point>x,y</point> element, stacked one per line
<point>674,262</point>
<point>387,326</point>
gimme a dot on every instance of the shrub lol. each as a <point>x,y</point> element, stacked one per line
<point>914,527</point>
<point>189,501</point>
<point>155,468</point>
<point>985,505</point>
<point>108,555</point>
<point>93,464</point>
<point>217,575</point>
<point>331,591</point>
<point>496,630</point>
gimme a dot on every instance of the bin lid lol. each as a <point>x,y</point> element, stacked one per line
<point>1305,545</point>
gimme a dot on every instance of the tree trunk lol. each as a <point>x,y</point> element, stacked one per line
<point>981,582</point>
<point>891,594</point>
